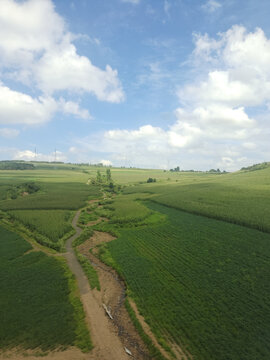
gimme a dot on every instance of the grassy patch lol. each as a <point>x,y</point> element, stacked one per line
<point>89,271</point>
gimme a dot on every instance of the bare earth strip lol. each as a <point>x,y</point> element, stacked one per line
<point>113,294</point>
<point>107,345</point>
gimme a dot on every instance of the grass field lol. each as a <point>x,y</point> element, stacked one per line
<point>200,282</point>
<point>242,198</point>
<point>39,307</point>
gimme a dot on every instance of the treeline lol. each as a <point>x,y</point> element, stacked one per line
<point>15,165</point>
<point>255,167</point>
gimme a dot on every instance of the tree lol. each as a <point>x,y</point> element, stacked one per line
<point>99,180</point>
<point>109,175</point>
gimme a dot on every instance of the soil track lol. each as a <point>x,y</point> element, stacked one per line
<point>113,294</point>
<point>107,345</point>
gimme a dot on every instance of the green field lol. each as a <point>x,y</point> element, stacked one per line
<point>241,198</point>
<point>200,283</point>
<point>47,211</point>
<point>53,224</point>
<point>38,305</point>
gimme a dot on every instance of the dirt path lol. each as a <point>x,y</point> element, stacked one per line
<point>113,295</point>
<point>107,345</point>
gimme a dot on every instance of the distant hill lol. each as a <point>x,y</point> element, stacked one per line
<point>255,167</point>
<point>15,165</point>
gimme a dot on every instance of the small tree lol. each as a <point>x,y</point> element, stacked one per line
<point>109,175</point>
<point>99,179</point>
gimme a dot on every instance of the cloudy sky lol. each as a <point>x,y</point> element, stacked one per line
<point>147,83</point>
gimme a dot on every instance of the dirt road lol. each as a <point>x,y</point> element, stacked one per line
<point>107,345</point>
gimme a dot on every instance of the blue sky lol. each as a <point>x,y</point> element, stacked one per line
<point>147,83</point>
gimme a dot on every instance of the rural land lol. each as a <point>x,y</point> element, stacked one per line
<point>107,263</point>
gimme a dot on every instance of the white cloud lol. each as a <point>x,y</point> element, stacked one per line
<point>70,107</point>
<point>9,133</point>
<point>167,6</point>
<point>214,126</point>
<point>211,6</point>
<point>19,108</point>
<point>29,155</point>
<point>66,70</point>
<point>105,162</point>
<point>37,49</point>
<point>134,2</point>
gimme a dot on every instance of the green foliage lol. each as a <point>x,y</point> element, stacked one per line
<point>85,235</point>
<point>16,165</point>
<point>86,217</point>
<point>151,180</point>
<point>201,282</point>
<point>13,191</point>
<point>89,271</point>
<point>53,224</point>
<point>108,175</point>
<point>99,178</point>
<point>35,307</point>
<point>255,167</point>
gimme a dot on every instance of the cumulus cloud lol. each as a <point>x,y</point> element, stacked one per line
<point>105,162</point>
<point>20,108</point>
<point>29,155</point>
<point>217,123</point>
<point>211,6</point>
<point>37,49</point>
<point>70,107</point>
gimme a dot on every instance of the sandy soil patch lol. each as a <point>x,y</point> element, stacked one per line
<point>112,294</point>
<point>107,345</point>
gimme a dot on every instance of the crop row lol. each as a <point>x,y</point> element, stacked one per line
<point>53,224</point>
<point>69,196</point>
<point>39,307</point>
<point>200,282</point>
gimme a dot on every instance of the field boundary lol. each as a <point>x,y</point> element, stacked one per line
<point>218,218</point>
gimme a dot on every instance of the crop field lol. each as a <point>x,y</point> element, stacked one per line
<point>53,224</point>
<point>69,196</point>
<point>38,305</point>
<point>242,198</point>
<point>199,282</point>
<point>43,200</point>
